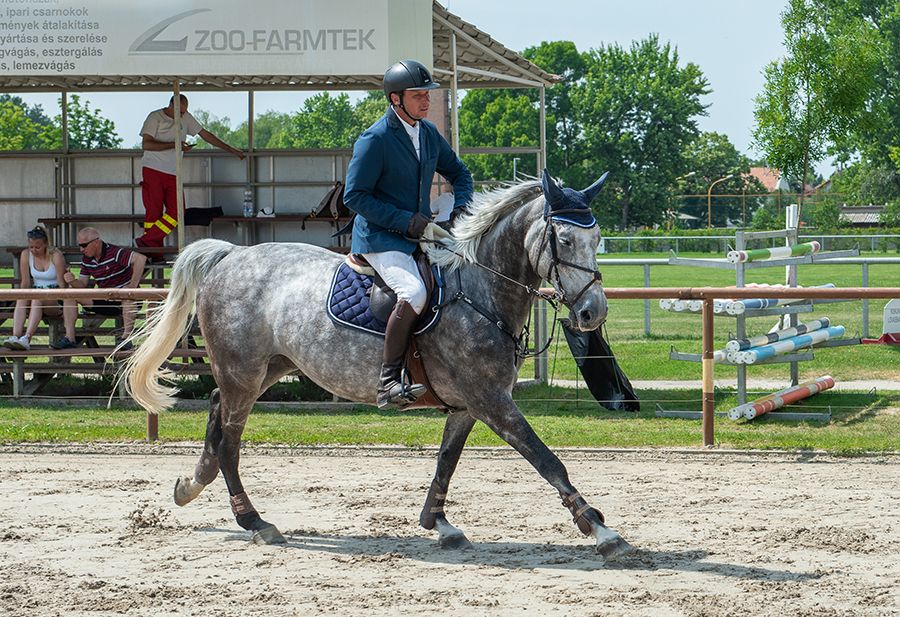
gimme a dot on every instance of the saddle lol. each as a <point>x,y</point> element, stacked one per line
<point>359,298</point>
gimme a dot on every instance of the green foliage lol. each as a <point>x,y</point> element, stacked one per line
<point>826,216</point>
<point>271,130</point>
<point>865,182</point>
<point>496,118</point>
<point>24,127</point>
<point>88,130</point>
<point>766,218</point>
<point>817,94</point>
<point>35,113</point>
<point>711,157</point>
<point>890,217</point>
<point>221,128</point>
<point>638,111</point>
<point>565,151</point>
<point>18,131</point>
<point>325,121</point>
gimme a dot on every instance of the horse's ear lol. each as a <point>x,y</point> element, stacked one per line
<point>552,192</point>
<point>591,191</point>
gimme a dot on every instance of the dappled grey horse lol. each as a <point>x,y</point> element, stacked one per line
<point>262,313</point>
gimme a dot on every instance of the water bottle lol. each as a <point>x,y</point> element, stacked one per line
<point>248,208</point>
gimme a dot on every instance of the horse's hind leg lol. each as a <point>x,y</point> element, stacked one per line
<point>456,430</point>
<point>187,488</point>
<point>508,422</point>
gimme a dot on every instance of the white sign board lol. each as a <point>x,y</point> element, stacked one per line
<point>892,317</point>
<point>212,37</point>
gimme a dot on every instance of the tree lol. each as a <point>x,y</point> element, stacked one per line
<point>221,128</point>
<point>366,112</point>
<point>495,117</point>
<point>325,121</point>
<point>711,157</point>
<point>638,110</point>
<point>18,131</point>
<point>88,130</point>
<point>35,113</point>
<point>816,95</point>
<point>565,149</point>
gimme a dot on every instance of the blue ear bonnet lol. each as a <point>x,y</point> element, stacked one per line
<point>573,207</point>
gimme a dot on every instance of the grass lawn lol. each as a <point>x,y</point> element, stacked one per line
<point>567,417</point>
<point>562,417</point>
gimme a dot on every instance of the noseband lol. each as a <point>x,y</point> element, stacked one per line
<point>550,238</point>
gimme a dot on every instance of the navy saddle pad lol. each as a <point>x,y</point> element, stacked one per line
<point>349,298</point>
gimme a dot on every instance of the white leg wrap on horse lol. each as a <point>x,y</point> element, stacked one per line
<point>186,490</point>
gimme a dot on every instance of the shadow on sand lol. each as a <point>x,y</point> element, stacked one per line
<point>519,555</point>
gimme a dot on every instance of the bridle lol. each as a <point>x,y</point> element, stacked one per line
<point>548,237</point>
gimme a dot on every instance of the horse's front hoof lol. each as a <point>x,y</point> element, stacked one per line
<point>267,535</point>
<point>611,548</point>
<point>456,541</point>
<point>186,490</point>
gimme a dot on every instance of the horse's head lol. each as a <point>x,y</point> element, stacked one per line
<point>566,255</point>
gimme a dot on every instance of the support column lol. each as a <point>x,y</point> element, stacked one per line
<point>709,397</point>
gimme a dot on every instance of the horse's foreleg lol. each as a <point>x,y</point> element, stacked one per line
<point>456,430</point>
<point>207,468</point>
<point>509,423</point>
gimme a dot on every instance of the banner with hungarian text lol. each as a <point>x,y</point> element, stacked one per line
<point>212,37</point>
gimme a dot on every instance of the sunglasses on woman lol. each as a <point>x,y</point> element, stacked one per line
<point>37,234</point>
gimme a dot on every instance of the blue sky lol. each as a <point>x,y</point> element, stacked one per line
<point>730,41</point>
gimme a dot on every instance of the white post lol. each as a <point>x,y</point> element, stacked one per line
<point>179,181</point>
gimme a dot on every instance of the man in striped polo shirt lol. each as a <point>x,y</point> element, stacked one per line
<point>110,267</point>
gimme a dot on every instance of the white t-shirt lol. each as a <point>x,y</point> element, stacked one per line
<point>161,127</point>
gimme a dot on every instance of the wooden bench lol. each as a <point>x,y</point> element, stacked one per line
<point>94,335</point>
<point>45,363</point>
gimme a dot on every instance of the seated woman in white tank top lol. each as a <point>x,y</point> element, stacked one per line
<point>42,267</point>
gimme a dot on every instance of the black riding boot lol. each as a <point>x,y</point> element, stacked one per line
<point>391,388</point>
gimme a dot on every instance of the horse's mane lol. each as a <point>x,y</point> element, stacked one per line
<point>483,213</point>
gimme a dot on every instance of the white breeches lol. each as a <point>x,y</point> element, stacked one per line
<point>401,274</point>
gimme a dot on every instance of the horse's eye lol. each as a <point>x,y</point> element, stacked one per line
<point>565,242</point>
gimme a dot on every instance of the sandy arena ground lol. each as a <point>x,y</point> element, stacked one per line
<point>94,532</point>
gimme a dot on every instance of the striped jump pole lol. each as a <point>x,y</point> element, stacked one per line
<point>780,335</point>
<point>756,354</point>
<point>779,399</point>
<point>739,307</point>
<point>779,252</point>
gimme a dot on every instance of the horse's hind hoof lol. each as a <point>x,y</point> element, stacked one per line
<point>268,535</point>
<point>457,541</point>
<point>613,547</point>
<point>186,490</point>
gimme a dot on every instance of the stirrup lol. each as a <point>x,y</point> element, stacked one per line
<point>401,392</point>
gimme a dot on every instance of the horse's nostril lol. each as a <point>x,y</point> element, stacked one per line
<point>586,316</point>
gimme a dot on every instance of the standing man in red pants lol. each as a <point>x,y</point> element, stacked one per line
<point>158,168</point>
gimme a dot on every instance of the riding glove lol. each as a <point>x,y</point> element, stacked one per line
<point>417,225</point>
<point>448,224</point>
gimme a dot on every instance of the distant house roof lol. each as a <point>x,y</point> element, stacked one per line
<point>770,178</point>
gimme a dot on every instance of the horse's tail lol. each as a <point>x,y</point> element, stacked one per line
<point>167,323</point>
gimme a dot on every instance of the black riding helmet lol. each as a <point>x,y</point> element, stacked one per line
<point>407,75</point>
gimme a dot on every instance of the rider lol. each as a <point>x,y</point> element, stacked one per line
<point>389,186</point>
